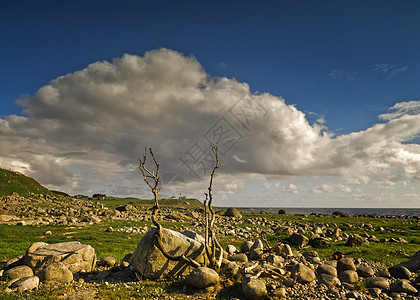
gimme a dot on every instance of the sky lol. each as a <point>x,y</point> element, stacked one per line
<point>311,103</point>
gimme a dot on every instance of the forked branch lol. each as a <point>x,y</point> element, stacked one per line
<point>151,177</point>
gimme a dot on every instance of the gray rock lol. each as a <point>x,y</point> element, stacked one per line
<point>18,272</point>
<point>320,242</point>
<point>230,268</point>
<point>25,284</point>
<point>364,271</point>
<point>14,262</point>
<point>240,257</point>
<point>326,269</point>
<point>413,264</point>
<point>202,277</point>
<point>125,261</point>
<point>280,293</point>
<point>310,254</point>
<point>384,273</point>
<point>298,240</point>
<point>348,276</point>
<point>400,272</point>
<point>403,286</point>
<point>346,263</point>
<point>245,246</point>
<point>149,260</point>
<point>375,292</point>
<point>107,261</point>
<point>232,212</point>
<point>77,257</point>
<point>230,249</point>
<point>329,279</point>
<point>32,248</point>
<point>56,272</point>
<point>377,282</point>
<point>256,250</point>
<point>302,273</point>
<point>355,240</point>
<point>275,259</point>
<point>254,289</point>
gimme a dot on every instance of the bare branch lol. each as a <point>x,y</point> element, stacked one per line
<point>152,180</point>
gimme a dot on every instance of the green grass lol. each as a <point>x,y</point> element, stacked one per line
<point>14,240</point>
<point>11,181</point>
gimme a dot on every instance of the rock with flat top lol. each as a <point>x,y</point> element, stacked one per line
<point>74,255</point>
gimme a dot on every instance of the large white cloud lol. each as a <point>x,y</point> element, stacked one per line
<point>88,128</point>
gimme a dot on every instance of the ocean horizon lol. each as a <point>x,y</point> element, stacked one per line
<point>383,212</point>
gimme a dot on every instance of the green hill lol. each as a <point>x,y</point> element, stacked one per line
<point>11,181</point>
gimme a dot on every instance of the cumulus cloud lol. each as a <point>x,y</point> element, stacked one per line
<point>88,128</point>
<point>401,109</point>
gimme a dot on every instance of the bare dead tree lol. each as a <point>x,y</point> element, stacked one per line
<point>212,245</point>
<point>213,250</point>
<point>151,177</point>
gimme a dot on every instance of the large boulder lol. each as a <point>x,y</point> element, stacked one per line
<point>149,260</point>
<point>413,264</point>
<point>74,255</point>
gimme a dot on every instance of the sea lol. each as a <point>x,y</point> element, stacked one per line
<point>382,212</point>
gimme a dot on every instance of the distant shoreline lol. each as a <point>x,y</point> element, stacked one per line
<point>398,212</point>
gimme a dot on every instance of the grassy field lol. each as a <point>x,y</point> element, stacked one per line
<point>14,240</point>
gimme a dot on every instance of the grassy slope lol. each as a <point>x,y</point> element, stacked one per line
<point>11,181</point>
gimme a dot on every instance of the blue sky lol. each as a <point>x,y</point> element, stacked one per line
<point>340,64</point>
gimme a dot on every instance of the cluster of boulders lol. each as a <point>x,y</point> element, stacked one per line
<point>278,272</point>
<point>49,264</point>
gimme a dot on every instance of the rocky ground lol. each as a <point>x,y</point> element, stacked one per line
<point>253,271</point>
